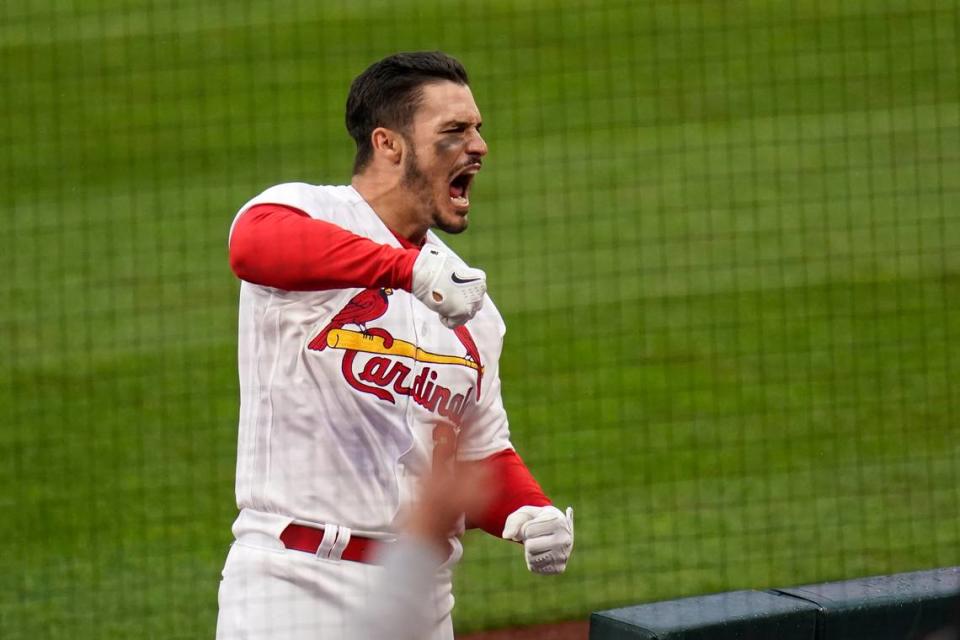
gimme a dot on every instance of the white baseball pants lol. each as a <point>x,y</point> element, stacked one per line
<point>272,593</point>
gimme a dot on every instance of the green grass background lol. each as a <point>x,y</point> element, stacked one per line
<point>724,235</point>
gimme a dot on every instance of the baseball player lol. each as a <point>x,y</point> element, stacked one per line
<point>368,355</point>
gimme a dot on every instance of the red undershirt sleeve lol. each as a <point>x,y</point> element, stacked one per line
<point>282,247</point>
<point>514,487</point>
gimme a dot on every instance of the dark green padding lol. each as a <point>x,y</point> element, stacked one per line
<point>905,606</point>
<point>738,615</point>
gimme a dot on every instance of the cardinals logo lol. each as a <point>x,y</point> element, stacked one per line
<point>385,374</point>
<point>365,306</point>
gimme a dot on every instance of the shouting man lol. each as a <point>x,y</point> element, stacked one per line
<point>369,355</point>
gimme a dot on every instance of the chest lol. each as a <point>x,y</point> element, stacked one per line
<point>387,350</point>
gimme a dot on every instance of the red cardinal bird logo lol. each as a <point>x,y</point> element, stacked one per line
<point>472,352</point>
<point>365,306</point>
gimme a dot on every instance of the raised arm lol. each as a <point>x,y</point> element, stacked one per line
<point>280,246</point>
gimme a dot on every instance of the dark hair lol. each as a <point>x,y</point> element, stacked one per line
<point>388,93</point>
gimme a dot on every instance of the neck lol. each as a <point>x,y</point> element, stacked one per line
<point>391,202</point>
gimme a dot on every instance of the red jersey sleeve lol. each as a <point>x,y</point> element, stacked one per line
<point>279,246</point>
<point>514,487</point>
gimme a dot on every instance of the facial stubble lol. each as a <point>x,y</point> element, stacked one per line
<point>417,182</point>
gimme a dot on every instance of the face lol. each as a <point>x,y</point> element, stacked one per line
<point>444,152</point>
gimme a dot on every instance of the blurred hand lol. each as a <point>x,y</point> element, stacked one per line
<point>445,495</point>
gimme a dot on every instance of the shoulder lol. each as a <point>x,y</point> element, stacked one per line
<point>338,204</point>
<point>318,201</point>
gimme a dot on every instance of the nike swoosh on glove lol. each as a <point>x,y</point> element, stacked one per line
<point>546,534</point>
<point>446,285</point>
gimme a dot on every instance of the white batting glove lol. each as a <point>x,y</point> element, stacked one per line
<point>448,286</point>
<point>546,534</point>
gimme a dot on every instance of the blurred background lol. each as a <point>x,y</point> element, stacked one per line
<point>724,235</point>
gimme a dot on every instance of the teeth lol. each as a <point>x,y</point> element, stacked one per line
<point>460,201</point>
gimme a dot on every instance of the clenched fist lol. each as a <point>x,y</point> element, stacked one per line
<point>546,534</point>
<point>448,286</point>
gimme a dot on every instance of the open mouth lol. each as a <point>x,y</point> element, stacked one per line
<point>460,186</point>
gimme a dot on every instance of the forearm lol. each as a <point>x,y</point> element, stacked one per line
<point>514,487</point>
<point>282,247</point>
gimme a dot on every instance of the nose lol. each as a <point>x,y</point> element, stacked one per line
<point>477,145</point>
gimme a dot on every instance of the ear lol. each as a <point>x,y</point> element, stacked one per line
<point>387,144</point>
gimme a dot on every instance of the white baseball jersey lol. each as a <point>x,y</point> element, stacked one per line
<point>341,391</point>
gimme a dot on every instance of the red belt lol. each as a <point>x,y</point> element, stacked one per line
<point>307,539</point>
